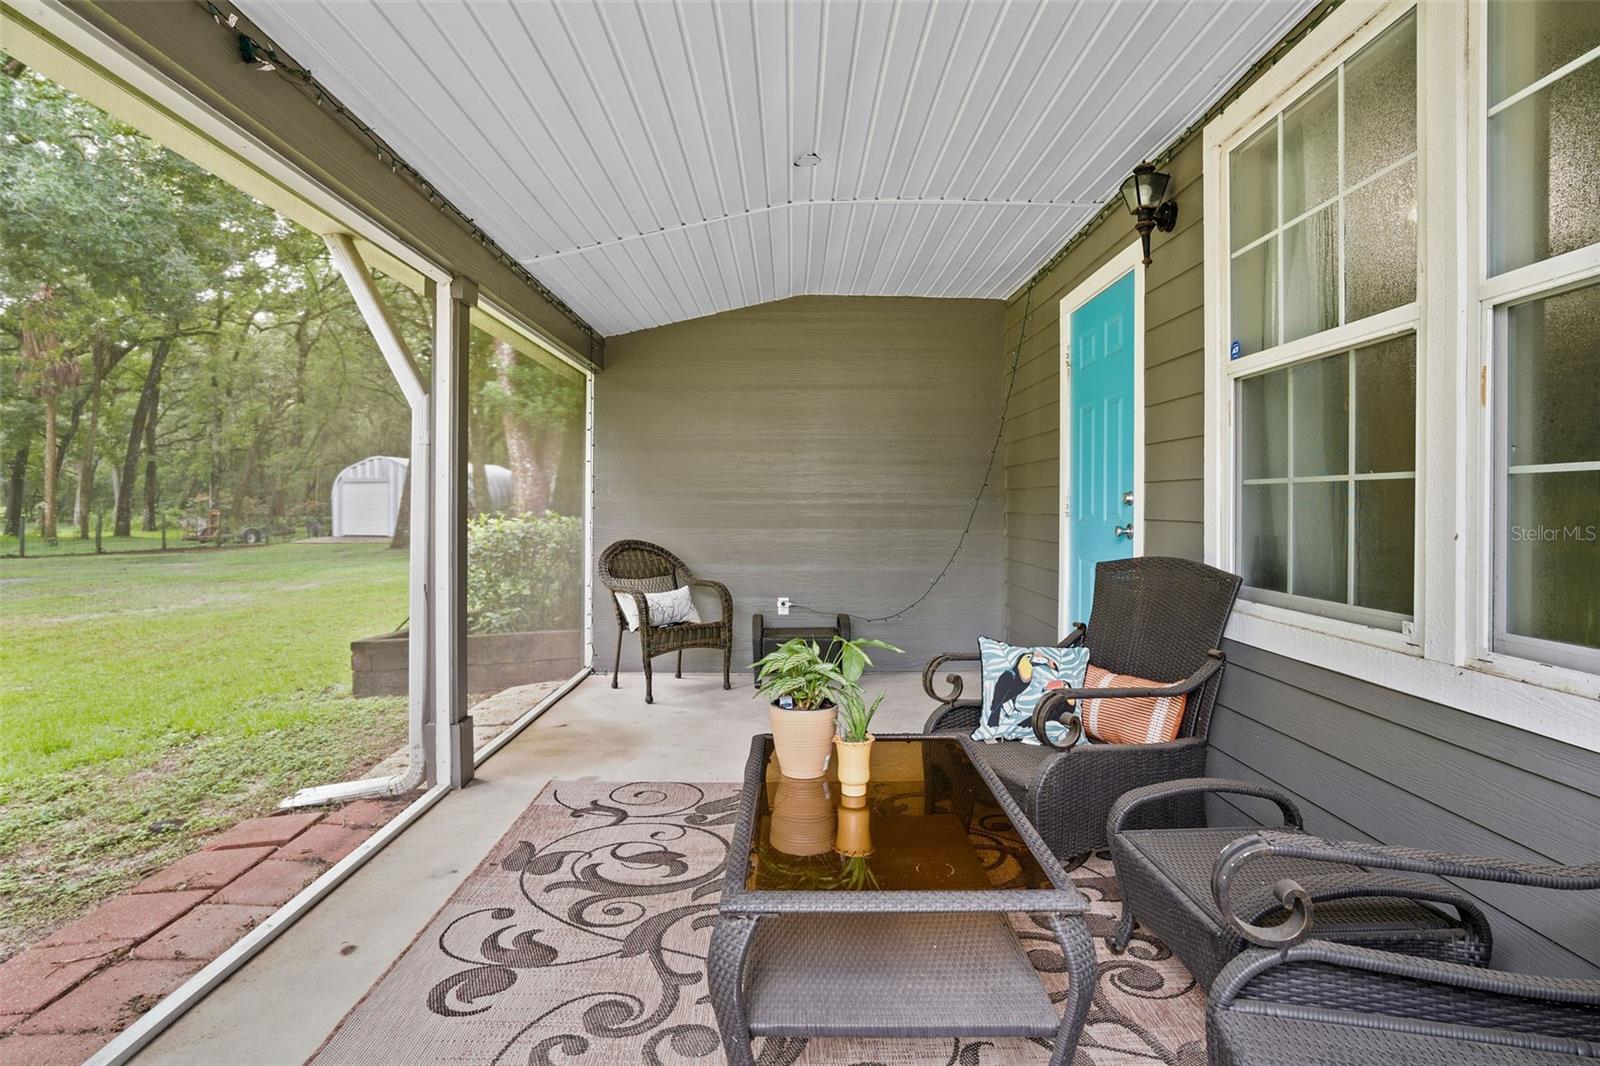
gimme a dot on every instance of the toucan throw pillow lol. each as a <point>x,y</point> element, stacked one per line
<point>1013,681</point>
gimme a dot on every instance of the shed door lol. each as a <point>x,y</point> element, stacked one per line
<point>366,509</point>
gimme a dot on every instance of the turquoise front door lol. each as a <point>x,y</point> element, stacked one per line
<point>1099,517</point>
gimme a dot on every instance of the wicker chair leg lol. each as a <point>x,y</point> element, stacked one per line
<point>679,672</point>
<point>727,661</point>
<point>649,679</point>
<point>730,946</point>
<point>1118,943</point>
<point>1078,949</point>
<point>616,667</point>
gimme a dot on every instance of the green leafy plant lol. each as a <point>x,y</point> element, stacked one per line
<point>855,716</point>
<point>815,679</point>
<point>524,572</point>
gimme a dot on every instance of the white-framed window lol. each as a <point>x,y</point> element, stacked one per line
<point>1403,354</point>
<point>1321,325</point>
<point>1539,294</point>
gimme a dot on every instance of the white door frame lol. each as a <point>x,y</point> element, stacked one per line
<point>1130,258</point>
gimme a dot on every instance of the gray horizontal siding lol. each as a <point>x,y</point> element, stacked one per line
<point>821,448</point>
<point>1368,763</point>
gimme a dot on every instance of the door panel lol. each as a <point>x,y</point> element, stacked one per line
<point>1102,354</point>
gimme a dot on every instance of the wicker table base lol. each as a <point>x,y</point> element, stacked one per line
<point>922,949</point>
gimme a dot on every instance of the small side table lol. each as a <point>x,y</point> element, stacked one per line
<point>764,639</point>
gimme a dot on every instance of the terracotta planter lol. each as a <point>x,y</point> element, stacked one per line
<point>855,764</point>
<point>802,817</point>
<point>854,838</point>
<point>803,739</point>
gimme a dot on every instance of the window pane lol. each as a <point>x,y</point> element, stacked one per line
<point>1253,187</point>
<point>1544,172</point>
<point>1311,275</point>
<point>1321,532</point>
<point>1553,556</point>
<point>1531,38</point>
<point>1265,403</point>
<point>1380,103</point>
<point>1254,294</point>
<point>1264,536</point>
<point>1553,379</point>
<point>1386,399</point>
<point>1311,150</point>
<point>1321,417</point>
<point>1380,234</point>
<point>1385,542</point>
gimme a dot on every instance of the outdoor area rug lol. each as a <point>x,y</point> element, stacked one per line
<point>582,939</point>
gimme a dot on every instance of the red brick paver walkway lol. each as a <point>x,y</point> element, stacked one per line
<point>63,998</point>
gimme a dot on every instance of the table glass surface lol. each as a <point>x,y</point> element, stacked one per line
<point>928,822</point>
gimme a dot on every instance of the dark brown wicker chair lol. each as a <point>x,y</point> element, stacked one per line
<point>636,567</point>
<point>1324,1004</point>
<point>1154,617</point>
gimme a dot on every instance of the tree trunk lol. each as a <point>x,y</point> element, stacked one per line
<point>16,491</point>
<point>84,501</point>
<point>401,537</point>
<point>47,527</point>
<point>530,481</point>
<point>123,523</point>
<point>152,487</point>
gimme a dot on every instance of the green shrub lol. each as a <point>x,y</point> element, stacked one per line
<point>524,572</point>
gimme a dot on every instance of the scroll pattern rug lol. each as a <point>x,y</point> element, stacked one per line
<point>582,939</point>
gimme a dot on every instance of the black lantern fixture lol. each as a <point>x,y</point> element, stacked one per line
<point>1145,193</point>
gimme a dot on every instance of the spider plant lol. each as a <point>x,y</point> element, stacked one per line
<point>855,716</point>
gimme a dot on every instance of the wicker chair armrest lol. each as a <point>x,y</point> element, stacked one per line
<point>1058,704</point>
<point>1083,757</point>
<point>1297,901</point>
<point>722,594</point>
<point>1074,636</point>
<point>1371,963</point>
<point>1130,802</point>
<point>936,663</point>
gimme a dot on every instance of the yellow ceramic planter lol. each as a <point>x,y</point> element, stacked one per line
<point>855,764</point>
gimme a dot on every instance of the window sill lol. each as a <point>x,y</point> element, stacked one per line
<point>1551,701</point>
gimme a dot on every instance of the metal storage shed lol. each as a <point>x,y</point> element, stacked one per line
<point>366,495</point>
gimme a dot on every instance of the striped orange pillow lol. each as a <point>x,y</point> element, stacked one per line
<point>1136,720</point>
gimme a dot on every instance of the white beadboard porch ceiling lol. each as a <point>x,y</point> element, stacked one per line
<point>638,157</point>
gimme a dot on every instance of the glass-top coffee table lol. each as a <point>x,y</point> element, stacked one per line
<point>885,916</point>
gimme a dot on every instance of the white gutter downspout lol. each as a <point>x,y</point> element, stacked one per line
<point>419,645</point>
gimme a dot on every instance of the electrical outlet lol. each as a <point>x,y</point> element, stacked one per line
<point>783,605</point>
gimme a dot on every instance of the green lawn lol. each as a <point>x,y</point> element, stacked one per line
<point>147,700</point>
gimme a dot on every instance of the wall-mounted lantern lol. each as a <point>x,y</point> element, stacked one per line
<point>1145,193</point>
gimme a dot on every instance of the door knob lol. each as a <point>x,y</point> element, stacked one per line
<point>1124,531</point>
<point>1127,498</point>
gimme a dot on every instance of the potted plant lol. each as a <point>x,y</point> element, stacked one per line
<point>853,741</point>
<point>804,685</point>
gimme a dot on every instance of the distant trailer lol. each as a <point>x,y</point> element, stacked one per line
<point>366,495</point>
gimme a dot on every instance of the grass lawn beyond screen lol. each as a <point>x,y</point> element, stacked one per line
<point>149,700</point>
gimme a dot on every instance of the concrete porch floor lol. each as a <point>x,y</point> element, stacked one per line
<point>281,1005</point>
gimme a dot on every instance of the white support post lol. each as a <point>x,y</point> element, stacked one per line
<point>376,314</point>
<point>452,758</point>
<point>420,716</point>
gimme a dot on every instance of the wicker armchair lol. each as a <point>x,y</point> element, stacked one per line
<point>1165,876</point>
<point>1153,617</point>
<point>635,567</point>
<point>1321,1004</point>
